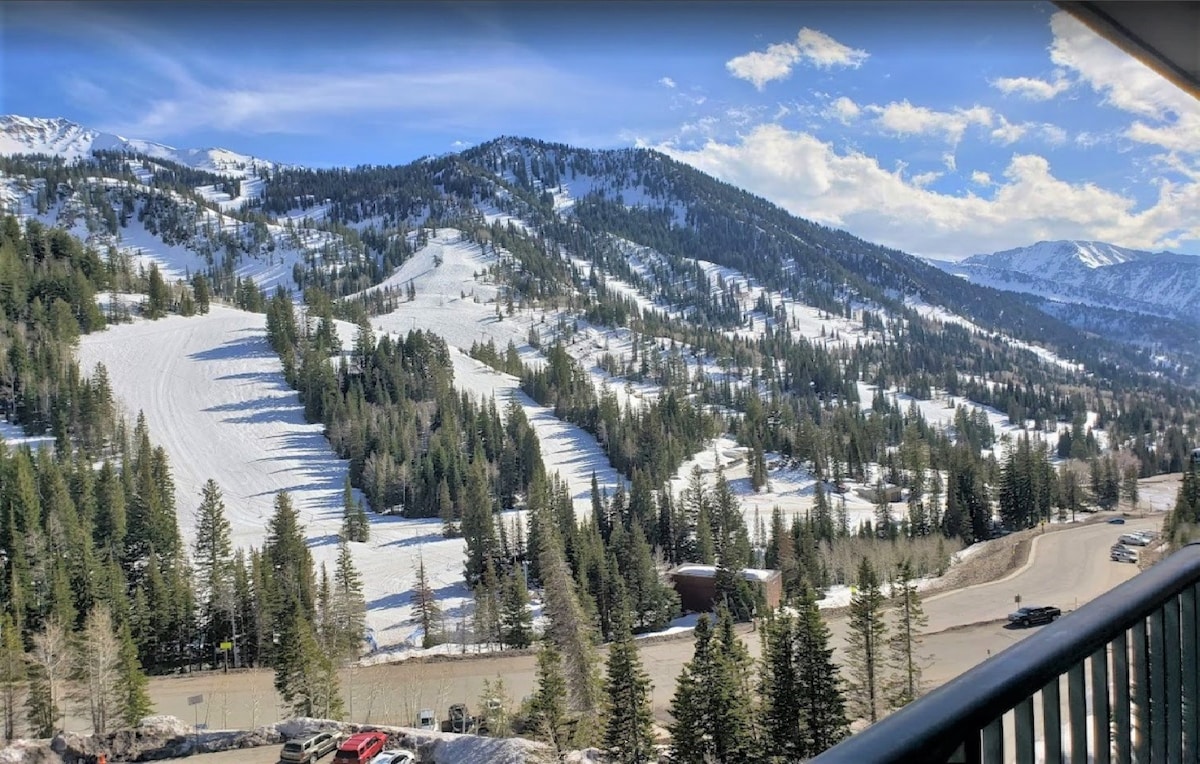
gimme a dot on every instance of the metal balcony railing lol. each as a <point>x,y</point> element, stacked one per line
<point>1130,658</point>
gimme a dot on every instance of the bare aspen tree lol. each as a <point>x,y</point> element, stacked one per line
<point>96,670</point>
<point>50,665</point>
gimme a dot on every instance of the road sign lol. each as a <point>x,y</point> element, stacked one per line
<point>226,645</point>
<point>195,700</point>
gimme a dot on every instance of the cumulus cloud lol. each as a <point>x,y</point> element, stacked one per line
<point>1031,87</point>
<point>666,82</point>
<point>1168,117</point>
<point>776,62</point>
<point>809,177</point>
<point>981,178</point>
<point>903,118</point>
<point>843,110</point>
<point>1009,133</point>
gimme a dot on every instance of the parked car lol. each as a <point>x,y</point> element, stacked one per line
<point>1117,521</point>
<point>1028,616</point>
<point>1124,554</point>
<point>360,748</point>
<point>397,756</point>
<point>309,747</point>
<point>1133,539</point>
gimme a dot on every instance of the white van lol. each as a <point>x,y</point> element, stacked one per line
<point>1133,539</point>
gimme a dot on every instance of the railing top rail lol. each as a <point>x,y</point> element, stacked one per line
<point>939,721</point>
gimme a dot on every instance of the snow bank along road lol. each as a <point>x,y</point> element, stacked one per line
<point>1066,568</point>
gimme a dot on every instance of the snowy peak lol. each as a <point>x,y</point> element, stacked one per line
<point>1092,273</point>
<point>1048,257</point>
<point>72,141</point>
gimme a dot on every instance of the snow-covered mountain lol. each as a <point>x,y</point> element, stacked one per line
<point>70,140</point>
<point>1094,274</point>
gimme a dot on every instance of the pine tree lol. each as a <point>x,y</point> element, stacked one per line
<point>212,558</point>
<point>781,719</point>
<point>133,700</point>
<point>12,672</point>
<point>691,707</point>
<point>629,720</point>
<point>865,645</point>
<point>487,606</point>
<point>569,628</point>
<point>904,644</point>
<point>290,562</point>
<point>733,729</point>
<point>818,683</point>
<point>304,676</point>
<point>429,615</point>
<point>348,605</point>
<point>159,295</point>
<point>201,290</point>
<point>822,513</point>
<point>516,620</point>
<point>478,524</point>
<point>548,716</point>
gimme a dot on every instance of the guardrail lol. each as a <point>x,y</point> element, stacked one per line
<point>1130,658</point>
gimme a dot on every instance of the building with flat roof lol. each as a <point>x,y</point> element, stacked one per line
<point>697,585</point>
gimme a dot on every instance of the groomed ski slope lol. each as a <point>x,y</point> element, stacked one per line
<point>214,397</point>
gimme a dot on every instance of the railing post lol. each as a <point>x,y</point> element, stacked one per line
<point>1123,732</point>
<point>1023,726</point>
<point>1188,613</point>
<point>1077,707</point>
<point>993,741</point>
<point>1139,695</point>
<point>1101,743</point>
<point>1051,721</point>
<point>1158,688</point>
<point>1174,692</point>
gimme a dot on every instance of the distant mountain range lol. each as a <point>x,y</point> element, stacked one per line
<point>1097,304</point>
<point>1092,274</point>
<point>69,140</point>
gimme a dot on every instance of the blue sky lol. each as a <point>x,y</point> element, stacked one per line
<point>939,128</point>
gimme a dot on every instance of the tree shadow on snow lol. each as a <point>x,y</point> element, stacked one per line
<point>271,380</point>
<point>424,538</point>
<point>254,346</point>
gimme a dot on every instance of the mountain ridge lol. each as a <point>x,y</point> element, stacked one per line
<point>635,194</point>
<point>1092,273</point>
<point>58,136</point>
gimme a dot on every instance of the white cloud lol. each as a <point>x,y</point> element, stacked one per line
<point>921,180</point>
<point>808,177</point>
<point>1053,134</point>
<point>776,62</point>
<point>1031,87</point>
<point>981,178</point>
<point>843,110</point>
<point>903,118</point>
<point>1009,133</point>
<point>823,51</point>
<point>1129,85</point>
<point>666,82</point>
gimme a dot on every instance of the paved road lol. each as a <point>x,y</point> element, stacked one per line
<point>1066,568</point>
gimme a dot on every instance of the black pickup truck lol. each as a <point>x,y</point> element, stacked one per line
<point>1028,616</point>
